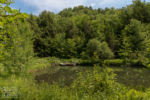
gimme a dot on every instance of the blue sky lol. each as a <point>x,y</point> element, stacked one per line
<point>36,6</point>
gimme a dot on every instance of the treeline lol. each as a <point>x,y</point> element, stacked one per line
<point>79,32</point>
<point>84,32</point>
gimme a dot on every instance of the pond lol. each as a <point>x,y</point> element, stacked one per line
<point>64,75</point>
<point>133,77</point>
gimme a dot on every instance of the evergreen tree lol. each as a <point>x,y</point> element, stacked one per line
<point>125,51</point>
<point>133,30</point>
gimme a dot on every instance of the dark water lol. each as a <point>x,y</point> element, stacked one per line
<point>131,77</point>
<point>62,75</point>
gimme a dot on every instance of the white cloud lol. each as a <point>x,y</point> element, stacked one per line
<point>54,5</point>
<point>93,4</point>
<point>104,2</point>
<point>113,3</point>
<point>57,5</point>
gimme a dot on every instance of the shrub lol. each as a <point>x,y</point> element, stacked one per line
<point>114,62</point>
<point>136,63</point>
<point>98,84</point>
<point>100,48</point>
<point>19,48</point>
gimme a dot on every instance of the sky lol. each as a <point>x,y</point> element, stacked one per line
<point>36,6</point>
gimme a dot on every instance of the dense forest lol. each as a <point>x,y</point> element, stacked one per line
<point>89,37</point>
<point>83,32</point>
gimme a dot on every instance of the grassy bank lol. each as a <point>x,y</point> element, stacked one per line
<point>98,83</point>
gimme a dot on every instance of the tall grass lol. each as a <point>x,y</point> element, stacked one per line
<point>96,84</point>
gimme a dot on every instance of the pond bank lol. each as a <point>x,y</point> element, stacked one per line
<point>129,76</point>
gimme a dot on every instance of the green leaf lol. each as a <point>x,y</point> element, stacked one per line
<point>2,1</point>
<point>8,9</point>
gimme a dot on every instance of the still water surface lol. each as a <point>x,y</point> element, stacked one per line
<point>128,76</point>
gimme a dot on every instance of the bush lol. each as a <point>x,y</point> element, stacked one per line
<point>19,47</point>
<point>85,62</point>
<point>114,62</point>
<point>136,63</point>
<point>98,84</point>
<point>119,62</point>
<point>101,49</point>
